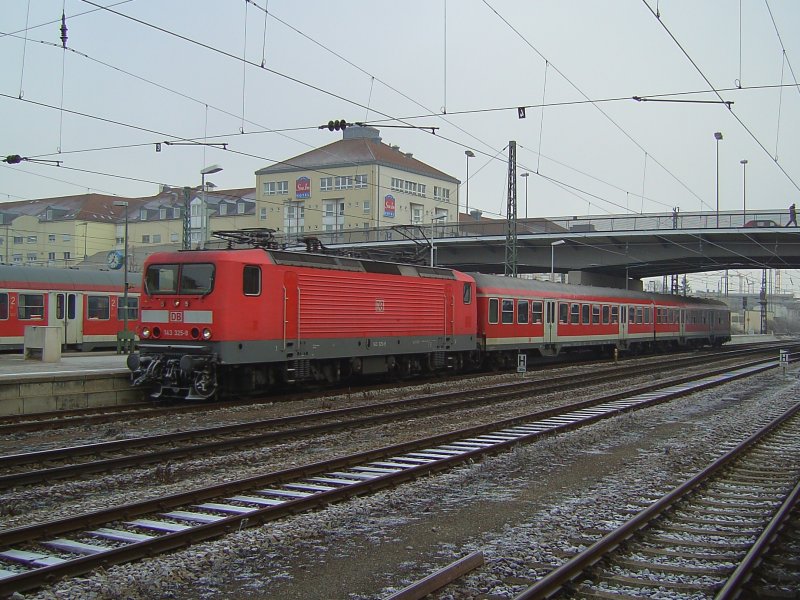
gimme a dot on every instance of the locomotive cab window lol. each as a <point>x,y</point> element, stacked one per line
<point>190,278</point>
<point>467,293</point>
<point>3,306</point>
<point>251,280</point>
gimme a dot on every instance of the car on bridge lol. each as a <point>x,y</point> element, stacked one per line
<point>761,223</point>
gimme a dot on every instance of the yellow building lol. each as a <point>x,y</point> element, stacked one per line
<point>356,183</point>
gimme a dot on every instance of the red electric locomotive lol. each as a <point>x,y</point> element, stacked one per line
<point>241,319</point>
<point>86,304</point>
<point>533,316</point>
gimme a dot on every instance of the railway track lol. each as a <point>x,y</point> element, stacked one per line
<point>12,424</point>
<point>703,539</point>
<point>78,461</point>
<point>33,556</point>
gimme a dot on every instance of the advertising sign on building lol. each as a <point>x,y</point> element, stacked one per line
<point>389,206</point>
<point>302,188</point>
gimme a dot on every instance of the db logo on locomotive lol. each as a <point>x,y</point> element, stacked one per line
<point>175,316</point>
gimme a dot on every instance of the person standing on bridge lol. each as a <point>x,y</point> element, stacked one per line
<point>792,215</point>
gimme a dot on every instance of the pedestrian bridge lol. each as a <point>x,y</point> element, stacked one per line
<point>606,250</point>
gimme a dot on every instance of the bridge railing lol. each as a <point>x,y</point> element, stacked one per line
<point>686,221</point>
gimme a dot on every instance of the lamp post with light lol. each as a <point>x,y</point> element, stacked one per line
<point>718,137</point>
<point>526,175</point>
<point>433,237</point>
<point>204,216</point>
<point>553,257</point>
<point>744,190</point>
<point>124,204</point>
<point>469,154</point>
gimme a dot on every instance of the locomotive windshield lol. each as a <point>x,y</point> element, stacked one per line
<point>188,279</point>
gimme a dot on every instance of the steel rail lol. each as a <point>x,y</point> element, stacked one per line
<point>506,392</point>
<point>556,580</point>
<point>366,472</point>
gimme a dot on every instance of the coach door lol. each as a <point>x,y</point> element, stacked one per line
<point>550,322</point>
<point>623,323</point>
<point>291,312</point>
<point>68,310</point>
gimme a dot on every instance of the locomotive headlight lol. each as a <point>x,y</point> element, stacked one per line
<point>145,332</point>
<point>206,334</point>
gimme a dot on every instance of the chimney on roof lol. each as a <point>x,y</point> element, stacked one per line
<point>395,147</point>
<point>409,155</point>
<point>476,214</point>
<point>360,132</point>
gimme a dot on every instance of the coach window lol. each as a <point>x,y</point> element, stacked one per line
<point>467,293</point>
<point>639,315</point>
<point>3,306</point>
<point>595,314</point>
<point>30,306</point>
<point>97,307</point>
<point>133,308</point>
<point>615,315</point>
<point>648,315</point>
<point>508,311</point>
<point>606,314</point>
<point>563,313</point>
<point>536,312</point>
<point>631,314</point>
<point>251,280</point>
<point>585,314</point>
<point>575,314</point>
<point>494,309</point>
<point>522,312</point>
<point>60,306</point>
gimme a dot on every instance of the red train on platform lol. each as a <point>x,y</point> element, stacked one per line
<point>217,322</point>
<point>86,304</point>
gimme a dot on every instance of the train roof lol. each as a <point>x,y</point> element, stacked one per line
<point>12,274</point>
<point>515,283</point>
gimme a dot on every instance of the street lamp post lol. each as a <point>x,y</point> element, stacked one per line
<point>204,215</point>
<point>124,204</point>
<point>433,237</point>
<point>526,175</point>
<point>744,190</point>
<point>718,137</point>
<point>469,154</point>
<point>553,257</point>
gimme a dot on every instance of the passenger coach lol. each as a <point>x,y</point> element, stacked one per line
<point>528,315</point>
<point>85,304</point>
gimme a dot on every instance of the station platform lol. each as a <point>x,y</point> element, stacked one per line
<point>75,381</point>
<point>16,366</point>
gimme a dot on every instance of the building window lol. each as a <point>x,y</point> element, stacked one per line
<point>157,238</point>
<point>17,258</point>
<point>18,239</point>
<point>223,209</point>
<point>275,188</point>
<point>416,213</point>
<point>263,214</point>
<point>241,208</point>
<point>51,256</point>
<point>366,207</point>
<point>361,181</point>
<point>31,239</point>
<point>162,213</point>
<point>143,214</point>
<point>283,188</point>
<point>145,239</point>
<point>51,237</point>
<point>343,182</point>
<point>173,237</point>
<point>65,237</point>
<point>67,255</point>
<point>326,184</point>
<point>32,257</point>
<point>441,194</point>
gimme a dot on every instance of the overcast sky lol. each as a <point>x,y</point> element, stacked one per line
<point>176,70</point>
